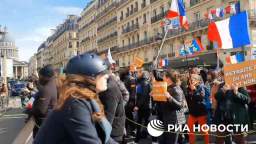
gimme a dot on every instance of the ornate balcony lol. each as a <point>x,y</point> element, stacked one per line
<point>114,34</point>
<point>114,19</point>
<point>158,17</point>
<point>131,28</point>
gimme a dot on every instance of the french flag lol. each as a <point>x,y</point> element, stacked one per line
<point>230,33</point>
<point>178,9</point>
<point>163,62</point>
<point>234,59</point>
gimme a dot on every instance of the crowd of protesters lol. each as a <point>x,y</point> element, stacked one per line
<point>94,104</point>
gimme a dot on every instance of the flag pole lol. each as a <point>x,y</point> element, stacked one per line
<point>160,49</point>
<point>186,53</point>
<point>218,60</point>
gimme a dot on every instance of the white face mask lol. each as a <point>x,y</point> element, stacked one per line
<point>101,82</point>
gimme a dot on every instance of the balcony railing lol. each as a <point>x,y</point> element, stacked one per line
<point>136,45</point>
<point>143,5</point>
<point>107,23</point>
<point>122,2</point>
<point>135,10</point>
<point>152,1</point>
<point>85,39</point>
<point>131,11</point>
<point>106,10</point>
<point>131,28</point>
<point>107,37</point>
<point>88,24</point>
<point>195,2</point>
<point>158,17</point>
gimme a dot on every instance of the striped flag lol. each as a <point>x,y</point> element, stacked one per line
<point>177,9</point>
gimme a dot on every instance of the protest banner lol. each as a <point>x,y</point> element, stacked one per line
<point>138,62</point>
<point>158,91</point>
<point>242,74</point>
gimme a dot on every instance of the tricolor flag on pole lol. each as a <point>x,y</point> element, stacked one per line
<point>234,59</point>
<point>230,33</point>
<point>164,62</point>
<point>178,9</point>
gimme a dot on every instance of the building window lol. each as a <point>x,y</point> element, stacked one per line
<point>138,37</point>
<point>129,41</point>
<point>133,39</point>
<point>197,16</point>
<point>154,12</point>
<point>194,2</point>
<point>122,14</point>
<point>144,18</point>
<point>145,35</point>
<point>77,44</point>
<point>131,9</point>
<point>137,21</point>
<point>128,11</point>
<point>162,9</point>
<point>123,43</point>
<point>70,44</point>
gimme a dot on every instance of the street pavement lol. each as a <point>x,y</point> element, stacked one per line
<point>11,122</point>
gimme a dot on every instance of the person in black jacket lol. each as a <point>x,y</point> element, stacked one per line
<point>113,102</point>
<point>130,84</point>
<point>79,116</point>
<point>142,105</point>
<point>46,97</point>
<point>232,108</point>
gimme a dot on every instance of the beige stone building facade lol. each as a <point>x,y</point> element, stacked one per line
<point>132,28</point>
<point>32,66</point>
<point>87,31</point>
<point>106,20</point>
<point>60,46</point>
<point>150,32</point>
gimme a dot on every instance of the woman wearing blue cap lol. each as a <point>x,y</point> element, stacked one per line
<point>79,116</point>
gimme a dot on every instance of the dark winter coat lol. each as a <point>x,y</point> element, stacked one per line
<point>232,108</point>
<point>173,109</point>
<point>112,100</point>
<point>73,124</point>
<point>143,89</point>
